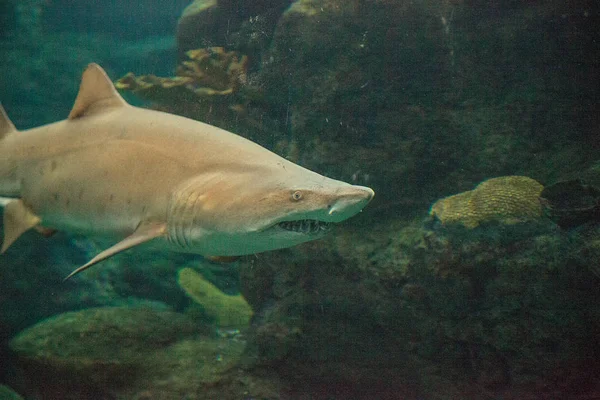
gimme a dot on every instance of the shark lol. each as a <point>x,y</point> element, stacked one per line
<point>138,175</point>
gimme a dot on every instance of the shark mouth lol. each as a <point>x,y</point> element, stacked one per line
<point>306,226</point>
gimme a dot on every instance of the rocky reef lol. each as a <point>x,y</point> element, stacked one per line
<point>433,311</point>
<point>134,353</point>
<point>490,295</point>
<point>236,24</point>
<point>416,107</point>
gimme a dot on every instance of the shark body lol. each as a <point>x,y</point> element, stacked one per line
<point>141,175</point>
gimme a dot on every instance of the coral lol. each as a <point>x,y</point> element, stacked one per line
<point>210,85</point>
<point>206,72</point>
<point>228,311</point>
<point>215,68</point>
<point>507,199</point>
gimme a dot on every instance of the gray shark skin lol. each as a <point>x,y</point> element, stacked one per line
<point>139,175</point>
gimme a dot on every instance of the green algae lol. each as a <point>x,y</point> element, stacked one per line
<point>228,311</point>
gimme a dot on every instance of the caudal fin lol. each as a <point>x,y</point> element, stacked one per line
<point>6,125</point>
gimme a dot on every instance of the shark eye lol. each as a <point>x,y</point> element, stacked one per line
<point>297,195</point>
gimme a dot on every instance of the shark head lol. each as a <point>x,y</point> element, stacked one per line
<point>215,217</point>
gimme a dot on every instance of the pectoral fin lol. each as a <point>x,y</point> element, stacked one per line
<point>145,232</point>
<point>17,220</point>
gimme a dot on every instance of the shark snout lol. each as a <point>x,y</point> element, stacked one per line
<point>349,201</point>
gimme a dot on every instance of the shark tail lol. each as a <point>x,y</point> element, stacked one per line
<point>6,125</point>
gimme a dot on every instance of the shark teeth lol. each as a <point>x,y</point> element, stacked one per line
<point>305,226</point>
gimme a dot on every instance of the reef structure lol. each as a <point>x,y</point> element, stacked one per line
<point>507,200</point>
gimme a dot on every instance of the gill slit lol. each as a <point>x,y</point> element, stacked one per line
<point>173,217</point>
<point>181,236</point>
<point>186,224</point>
<point>189,220</point>
<point>194,214</point>
<point>181,228</point>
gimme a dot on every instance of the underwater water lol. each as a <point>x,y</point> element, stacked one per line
<point>473,273</point>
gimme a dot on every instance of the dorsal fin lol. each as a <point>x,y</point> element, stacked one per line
<point>6,126</point>
<point>96,93</point>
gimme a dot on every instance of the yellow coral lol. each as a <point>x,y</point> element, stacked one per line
<point>507,199</point>
<point>207,72</point>
<point>228,311</point>
<point>214,70</point>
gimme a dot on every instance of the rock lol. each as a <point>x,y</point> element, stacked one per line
<point>7,393</point>
<point>322,318</point>
<point>455,310</point>
<point>234,24</point>
<point>98,347</point>
<point>134,353</point>
<point>571,203</point>
<point>103,344</point>
<point>196,25</point>
<point>345,74</point>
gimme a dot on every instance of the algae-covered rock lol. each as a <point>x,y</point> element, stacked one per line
<point>468,314</point>
<point>7,393</point>
<point>198,16</point>
<point>189,368</point>
<point>124,353</point>
<point>508,199</point>
<point>228,311</point>
<point>103,344</point>
<point>242,25</point>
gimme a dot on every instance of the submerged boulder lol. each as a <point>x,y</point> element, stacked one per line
<point>443,313</point>
<point>104,345</point>
<point>241,25</point>
<point>123,352</point>
<point>7,393</point>
<point>571,203</point>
